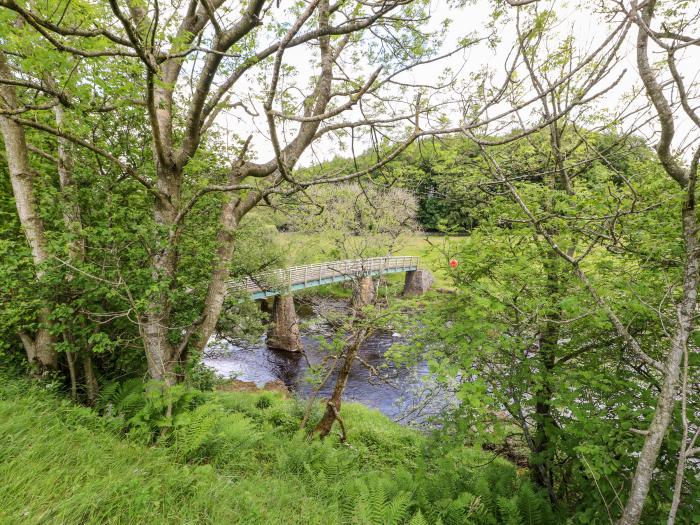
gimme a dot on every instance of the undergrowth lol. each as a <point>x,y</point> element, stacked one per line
<point>150,455</point>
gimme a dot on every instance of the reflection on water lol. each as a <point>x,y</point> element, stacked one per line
<point>397,391</point>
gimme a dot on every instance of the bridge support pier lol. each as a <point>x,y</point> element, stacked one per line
<point>417,282</point>
<point>363,292</point>
<point>283,333</point>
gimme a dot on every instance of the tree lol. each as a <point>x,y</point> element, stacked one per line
<point>39,347</point>
<point>361,220</point>
<point>685,176</point>
<point>186,66</point>
<point>667,365</point>
<point>172,80</point>
<point>486,339</point>
<point>356,220</point>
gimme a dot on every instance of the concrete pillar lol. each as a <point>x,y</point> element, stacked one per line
<point>417,282</point>
<point>283,333</point>
<point>363,292</point>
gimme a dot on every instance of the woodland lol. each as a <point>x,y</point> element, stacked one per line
<point>540,157</point>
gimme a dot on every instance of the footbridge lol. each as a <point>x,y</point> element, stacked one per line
<point>283,333</point>
<point>286,280</point>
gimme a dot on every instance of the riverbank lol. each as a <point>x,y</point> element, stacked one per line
<point>237,458</point>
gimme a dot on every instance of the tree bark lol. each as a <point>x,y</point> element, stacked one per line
<point>91,384</point>
<point>678,484</point>
<point>161,354</point>
<point>363,293</point>
<point>41,348</point>
<point>72,217</point>
<point>687,448</point>
<point>70,358</point>
<point>543,446</point>
<point>332,412</point>
<point>686,179</point>
<point>216,291</point>
<point>667,395</point>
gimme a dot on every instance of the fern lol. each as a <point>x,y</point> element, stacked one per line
<point>397,509</point>
<point>122,399</point>
<point>418,519</point>
<point>440,489</point>
<point>458,511</point>
<point>481,488</point>
<point>194,431</point>
<point>376,500</point>
<point>374,505</point>
<point>508,511</point>
<point>530,506</point>
<point>106,396</point>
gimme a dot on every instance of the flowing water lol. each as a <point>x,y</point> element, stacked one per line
<point>399,392</point>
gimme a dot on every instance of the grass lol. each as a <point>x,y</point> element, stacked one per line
<point>62,463</point>
<point>235,458</point>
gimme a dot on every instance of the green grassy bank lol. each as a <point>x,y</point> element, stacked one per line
<point>236,458</point>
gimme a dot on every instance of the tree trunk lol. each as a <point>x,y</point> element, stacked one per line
<point>672,366</point>
<point>70,358</point>
<point>155,329</point>
<point>91,384</point>
<point>216,291</point>
<point>686,449</point>
<point>543,445</point>
<point>41,350</point>
<point>332,411</point>
<point>686,179</point>
<point>72,217</point>
<point>155,326</point>
<point>363,292</point>
<point>160,353</point>
<point>678,483</point>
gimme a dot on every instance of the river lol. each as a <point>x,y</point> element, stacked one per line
<point>406,394</point>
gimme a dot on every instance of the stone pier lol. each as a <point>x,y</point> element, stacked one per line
<point>265,306</point>
<point>283,333</point>
<point>363,292</point>
<point>417,282</point>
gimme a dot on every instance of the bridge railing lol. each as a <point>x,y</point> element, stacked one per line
<point>319,273</point>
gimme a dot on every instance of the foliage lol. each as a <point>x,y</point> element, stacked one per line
<point>572,240</point>
<point>523,334</point>
<point>96,299</point>
<point>440,174</point>
<point>233,458</point>
<point>166,190</point>
<point>359,220</point>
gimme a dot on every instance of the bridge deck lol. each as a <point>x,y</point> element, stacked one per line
<point>274,282</point>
